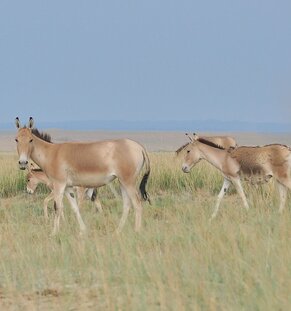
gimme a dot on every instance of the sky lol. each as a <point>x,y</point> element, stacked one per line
<point>145,60</point>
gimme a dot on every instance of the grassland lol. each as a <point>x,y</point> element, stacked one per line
<point>179,261</point>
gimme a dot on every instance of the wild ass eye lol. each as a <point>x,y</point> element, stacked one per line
<point>31,140</point>
<point>188,151</point>
<point>16,140</point>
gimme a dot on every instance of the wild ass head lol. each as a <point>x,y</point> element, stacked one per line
<point>24,141</point>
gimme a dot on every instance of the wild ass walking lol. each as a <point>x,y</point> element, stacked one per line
<point>37,176</point>
<point>90,164</point>
<point>255,163</point>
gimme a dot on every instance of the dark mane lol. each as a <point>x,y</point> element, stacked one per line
<point>209,143</point>
<point>182,148</point>
<point>44,136</point>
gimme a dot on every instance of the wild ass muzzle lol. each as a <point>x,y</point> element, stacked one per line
<point>87,164</point>
<point>254,163</point>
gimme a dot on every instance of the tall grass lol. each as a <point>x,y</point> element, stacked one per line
<point>179,261</point>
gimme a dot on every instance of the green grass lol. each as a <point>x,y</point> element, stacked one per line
<point>179,260</point>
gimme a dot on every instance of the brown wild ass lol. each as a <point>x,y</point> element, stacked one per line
<point>255,163</point>
<point>36,176</point>
<point>87,164</point>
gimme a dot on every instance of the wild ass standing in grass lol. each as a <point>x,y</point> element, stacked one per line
<point>255,163</point>
<point>36,176</point>
<point>90,164</point>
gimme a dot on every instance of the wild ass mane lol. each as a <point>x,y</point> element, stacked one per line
<point>42,135</point>
<point>201,140</point>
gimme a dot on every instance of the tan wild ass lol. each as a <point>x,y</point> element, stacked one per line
<point>36,176</point>
<point>256,163</point>
<point>87,164</point>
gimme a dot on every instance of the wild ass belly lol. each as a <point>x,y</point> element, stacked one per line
<point>89,179</point>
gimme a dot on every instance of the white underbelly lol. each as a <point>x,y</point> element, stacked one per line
<point>89,180</point>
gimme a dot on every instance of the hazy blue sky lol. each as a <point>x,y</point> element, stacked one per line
<point>145,60</point>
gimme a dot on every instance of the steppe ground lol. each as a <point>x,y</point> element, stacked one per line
<point>179,261</point>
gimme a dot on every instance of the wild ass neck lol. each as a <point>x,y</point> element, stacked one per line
<point>212,155</point>
<point>40,151</point>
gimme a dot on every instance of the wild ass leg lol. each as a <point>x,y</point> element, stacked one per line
<point>136,203</point>
<point>239,189</point>
<point>283,195</point>
<point>80,195</point>
<point>58,197</point>
<point>92,194</point>
<point>45,204</point>
<point>126,207</point>
<point>98,205</point>
<point>225,186</point>
<point>75,208</point>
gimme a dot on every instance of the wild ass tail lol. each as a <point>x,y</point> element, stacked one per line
<point>142,186</point>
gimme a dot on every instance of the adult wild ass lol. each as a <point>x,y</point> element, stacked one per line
<point>255,163</point>
<point>87,164</point>
<point>36,176</point>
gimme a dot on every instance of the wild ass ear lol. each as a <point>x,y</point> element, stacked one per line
<point>30,123</point>
<point>17,122</point>
<point>190,138</point>
<point>195,136</point>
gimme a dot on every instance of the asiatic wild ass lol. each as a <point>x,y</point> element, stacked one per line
<point>254,163</point>
<point>87,164</point>
<point>37,176</point>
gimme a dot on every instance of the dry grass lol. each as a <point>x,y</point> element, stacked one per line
<point>179,261</point>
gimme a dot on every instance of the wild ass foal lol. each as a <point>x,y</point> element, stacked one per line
<point>92,164</point>
<point>37,176</point>
<point>254,163</point>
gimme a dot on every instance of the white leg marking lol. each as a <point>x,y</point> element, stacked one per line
<point>239,189</point>
<point>225,186</point>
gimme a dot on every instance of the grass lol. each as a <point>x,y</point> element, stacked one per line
<point>179,261</point>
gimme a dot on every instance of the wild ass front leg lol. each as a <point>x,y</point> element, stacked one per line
<point>45,204</point>
<point>58,198</point>
<point>73,203</point>
<point>239,189</point>
<point>126,207</point>
<point>225,186</point>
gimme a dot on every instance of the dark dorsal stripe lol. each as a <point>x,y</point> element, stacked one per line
<point>44,136</point>
<point>209,143</point>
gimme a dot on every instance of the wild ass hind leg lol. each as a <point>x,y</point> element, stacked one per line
<point>239,189</point>
<point>225,186</point>
<point>74,205</point>
<point>284,183</point>
<point>126,207</point>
